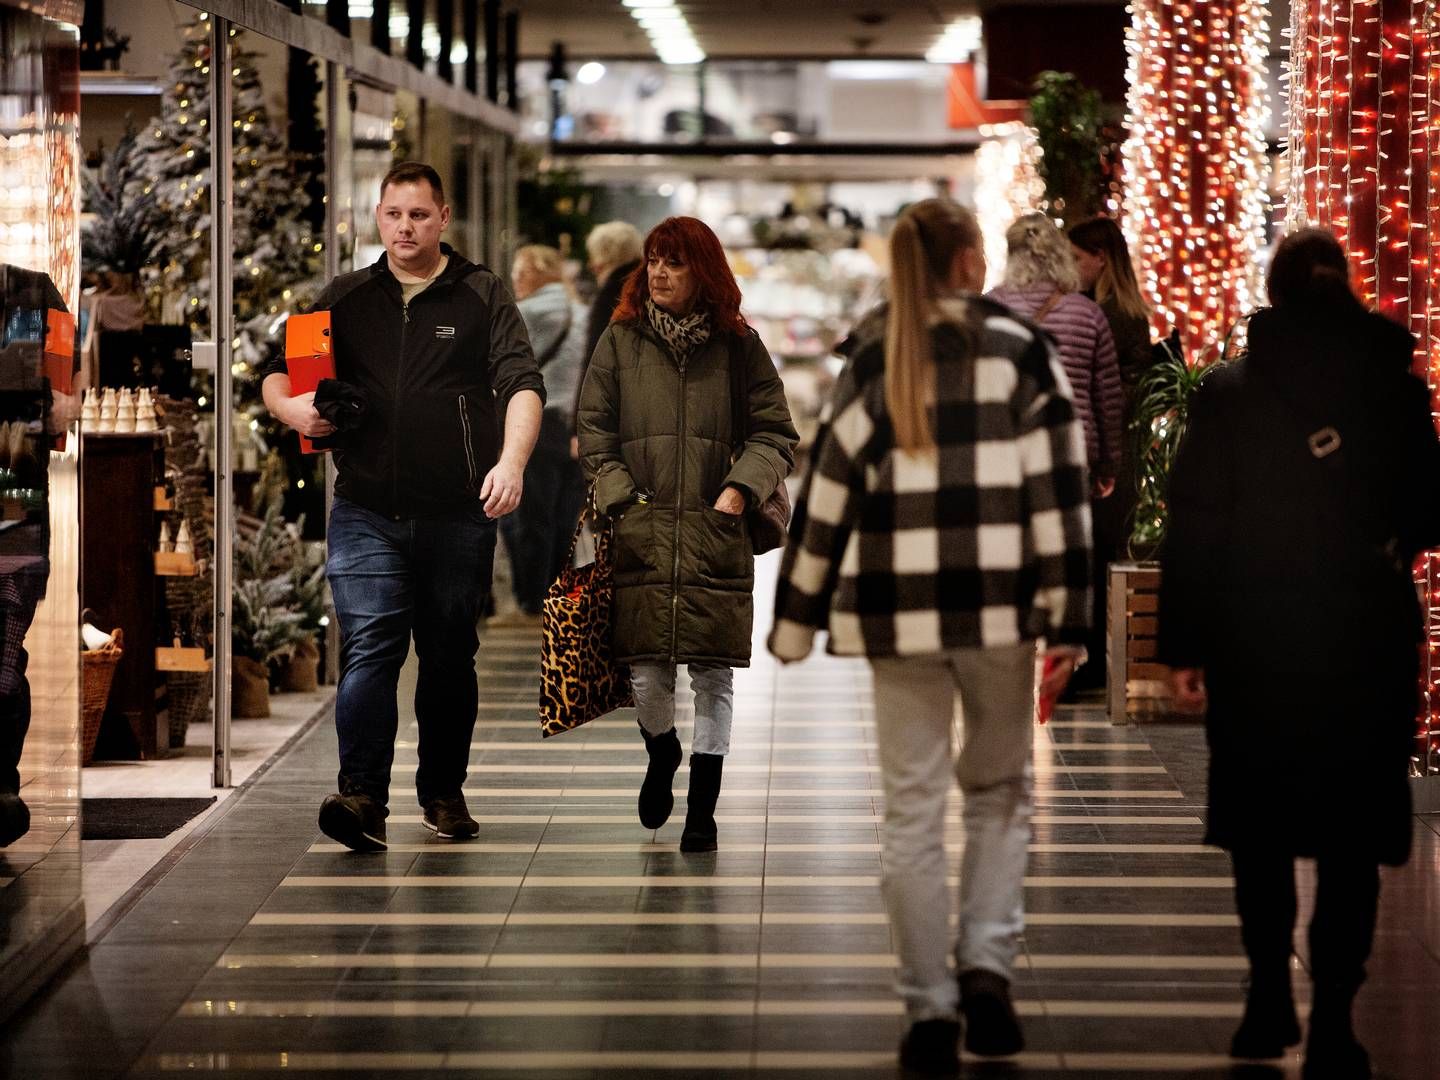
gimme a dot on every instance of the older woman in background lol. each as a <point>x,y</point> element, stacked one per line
<point>614,252</point>
<point>1042,284</point>
<point>537,534</point>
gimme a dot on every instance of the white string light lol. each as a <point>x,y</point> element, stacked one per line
<point>1007,185</point>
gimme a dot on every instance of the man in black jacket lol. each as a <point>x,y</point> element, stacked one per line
<point>432,342</point>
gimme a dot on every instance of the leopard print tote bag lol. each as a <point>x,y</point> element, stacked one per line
<point>579,678</point>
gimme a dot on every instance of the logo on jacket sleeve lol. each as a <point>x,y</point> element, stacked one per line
<point>444,331</point>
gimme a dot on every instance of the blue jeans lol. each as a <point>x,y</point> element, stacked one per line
<point>537,535</point>
<point>428,577</point>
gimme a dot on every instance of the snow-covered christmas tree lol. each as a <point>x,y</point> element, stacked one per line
<point>278,257</point>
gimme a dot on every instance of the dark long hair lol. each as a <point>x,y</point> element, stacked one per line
<point>1309,271</point>
<point>691,241</point>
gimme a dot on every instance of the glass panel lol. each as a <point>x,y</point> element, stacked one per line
<point>40,669</point>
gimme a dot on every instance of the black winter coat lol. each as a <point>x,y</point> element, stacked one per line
<point>1286,577</point>
<point>431,373</point>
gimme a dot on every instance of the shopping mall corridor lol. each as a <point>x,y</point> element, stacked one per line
<point>568,942</point>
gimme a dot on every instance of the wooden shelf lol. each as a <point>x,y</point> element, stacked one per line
<point>181,658</point>
<point>176,564</point>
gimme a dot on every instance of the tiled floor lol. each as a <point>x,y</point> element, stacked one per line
<point>568,942</point>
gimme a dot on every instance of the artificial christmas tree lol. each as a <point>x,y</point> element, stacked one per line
<point>277,255</point>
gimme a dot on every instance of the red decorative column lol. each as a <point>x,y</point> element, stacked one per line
<point>1194,208</point>
<point>1365,163</point>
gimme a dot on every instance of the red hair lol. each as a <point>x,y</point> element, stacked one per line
<point>691,241</point>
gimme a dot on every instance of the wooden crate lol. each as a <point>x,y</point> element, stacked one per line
<point>1138,686</point>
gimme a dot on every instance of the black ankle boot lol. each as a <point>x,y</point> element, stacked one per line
<point>14,818</point>
<point>1331,1051</point>
<point>701,833</point>
<point>1270,1024</point>
<point>656,798</point>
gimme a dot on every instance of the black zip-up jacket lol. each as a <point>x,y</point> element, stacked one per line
<point>431,374</point>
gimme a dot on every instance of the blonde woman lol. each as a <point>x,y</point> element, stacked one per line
<point>944,531</point>
<point>1043,284</point>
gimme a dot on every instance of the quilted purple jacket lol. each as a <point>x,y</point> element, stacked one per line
<point>1087,351</point>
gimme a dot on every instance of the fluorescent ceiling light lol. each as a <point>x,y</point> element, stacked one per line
<point>590,73</point>
<point>670,35</point>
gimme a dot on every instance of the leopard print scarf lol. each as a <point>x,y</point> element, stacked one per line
<point>683,335</point>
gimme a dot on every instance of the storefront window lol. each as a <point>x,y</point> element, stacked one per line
<point>41,683</point>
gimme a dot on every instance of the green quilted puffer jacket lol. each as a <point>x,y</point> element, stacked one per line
<point>656,441</point>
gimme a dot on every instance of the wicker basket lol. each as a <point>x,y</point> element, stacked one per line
<point>189,693</point>
<point>99,668</point>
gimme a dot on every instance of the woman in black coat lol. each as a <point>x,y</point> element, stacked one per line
<point>1307,483</point>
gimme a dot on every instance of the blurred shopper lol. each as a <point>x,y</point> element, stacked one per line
<point>431,341</point>
<point>537,534</point>
<point>614,251</point>
<point>1307,482</point>
<point>656,439</point>
<point>1107,276</point>
<point>1042,283</point>
<point>943,531</point>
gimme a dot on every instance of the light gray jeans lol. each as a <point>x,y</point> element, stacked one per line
<point>714,687</point>
<point>914,711</point>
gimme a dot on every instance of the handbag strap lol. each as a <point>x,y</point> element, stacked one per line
<point>601,531</point>
<point>1048,306</point>
<point>739,394</point>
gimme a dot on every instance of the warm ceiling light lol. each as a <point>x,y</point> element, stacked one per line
<point>960,41</point>
<point>590,73</point>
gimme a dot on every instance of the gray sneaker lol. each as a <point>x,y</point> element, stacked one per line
<point>448,818</point>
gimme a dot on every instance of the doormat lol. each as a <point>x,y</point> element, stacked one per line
<point>137,819</point>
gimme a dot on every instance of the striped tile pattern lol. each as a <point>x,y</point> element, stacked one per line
<point>569,941</point>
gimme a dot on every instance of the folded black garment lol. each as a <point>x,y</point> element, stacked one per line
<point>344,406</point>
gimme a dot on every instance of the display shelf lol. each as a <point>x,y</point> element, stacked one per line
<point>177,657</point>
<point>176,564</point>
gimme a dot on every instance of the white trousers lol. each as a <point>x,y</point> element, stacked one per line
<point>914,712</point>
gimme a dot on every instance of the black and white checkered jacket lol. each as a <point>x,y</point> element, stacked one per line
<point>984,543</point>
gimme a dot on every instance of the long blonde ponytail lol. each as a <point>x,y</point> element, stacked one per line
<point>923,245</point>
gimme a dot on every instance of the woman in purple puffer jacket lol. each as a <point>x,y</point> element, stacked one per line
<point>1043,284</point>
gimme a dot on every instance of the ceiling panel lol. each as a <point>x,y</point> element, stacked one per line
<point>749,28</point>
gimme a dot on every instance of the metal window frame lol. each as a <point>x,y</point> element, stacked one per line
<point>491,146</point>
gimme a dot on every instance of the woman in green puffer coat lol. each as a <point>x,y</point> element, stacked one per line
<point>657,439</point>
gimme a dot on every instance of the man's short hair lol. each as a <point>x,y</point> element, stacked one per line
<point>414,172</point>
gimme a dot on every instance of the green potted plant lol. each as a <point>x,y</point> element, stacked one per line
<point>308,597</point>
<point>264,625</point>
<point>1159,418</point>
